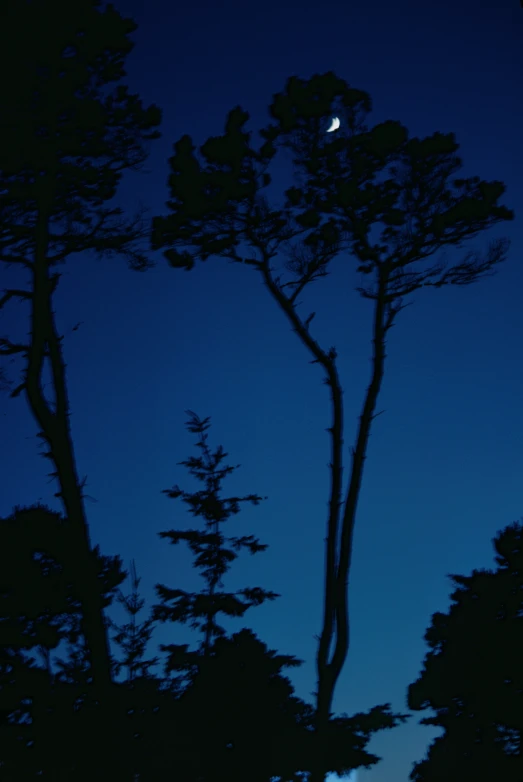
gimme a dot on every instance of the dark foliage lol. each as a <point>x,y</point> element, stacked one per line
<point>41,589</point>
<point>65,141</point>
<point>243,710</point>
<point>66,138</point>
<point>472,676</point>
<point>133,637</point>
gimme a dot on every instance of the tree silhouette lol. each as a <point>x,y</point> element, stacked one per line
<point>211,554</point>
<point>217,205</point>
<point>47,730</point>
<point>244,711</point>
<point>143,700</point>
<point>64,142</point>
<point>50,719</point>
<point>472,677</point>
<point>226,694</point>
<point>133,637</point>
<point>40,608</point>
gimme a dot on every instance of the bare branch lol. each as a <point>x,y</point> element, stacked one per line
<point>309,319</point>
<point>16,259</point>
<point>5,383</point>
<point>473,266</point>
<point>106,238</point>
<point>8,348</point>
<point>18,390</point>
<point>391,314</point>
<point>14,294</point>
<point>309,262</point>
<point>77,242</point>
<point>287,304</point>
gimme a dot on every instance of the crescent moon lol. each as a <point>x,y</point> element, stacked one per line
<point>334,125</point>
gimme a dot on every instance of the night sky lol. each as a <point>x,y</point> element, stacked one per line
<point>445,460</point>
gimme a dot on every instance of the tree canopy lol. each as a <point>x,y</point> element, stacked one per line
<point>68,133</point>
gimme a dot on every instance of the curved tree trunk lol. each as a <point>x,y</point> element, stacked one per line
<point>56,432</point>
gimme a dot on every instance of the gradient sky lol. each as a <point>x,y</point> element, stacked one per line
<point>445,462</point>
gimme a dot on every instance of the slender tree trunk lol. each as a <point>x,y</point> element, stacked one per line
<point>210,621</point>
<point>336,626</point>
<point>56,432</point>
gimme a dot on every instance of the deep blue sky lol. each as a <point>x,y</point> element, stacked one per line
<point>445,464</point>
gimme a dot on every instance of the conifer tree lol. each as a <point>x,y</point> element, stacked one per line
<point>212,554</point>
<point>132,637</point>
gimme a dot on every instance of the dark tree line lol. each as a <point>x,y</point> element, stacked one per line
<point>67,134</point>
<point>231,698</point>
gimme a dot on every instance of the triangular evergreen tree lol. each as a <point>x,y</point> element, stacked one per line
<point>213,554</point>
<point>132,637</point>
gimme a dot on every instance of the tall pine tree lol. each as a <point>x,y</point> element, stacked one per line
<point>65,140</point>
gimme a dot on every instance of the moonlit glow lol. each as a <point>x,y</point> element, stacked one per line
<point>335,778</point>
<point>334,126</point>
